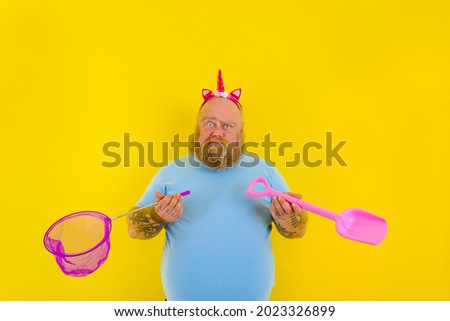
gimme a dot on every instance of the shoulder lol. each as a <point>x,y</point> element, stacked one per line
<point>176,164</point>
<point>166,170</point>
<point>260,167</point>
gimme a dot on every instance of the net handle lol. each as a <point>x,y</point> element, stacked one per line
<point>149,205</point>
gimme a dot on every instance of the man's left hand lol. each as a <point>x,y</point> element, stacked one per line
<point>281,210</point>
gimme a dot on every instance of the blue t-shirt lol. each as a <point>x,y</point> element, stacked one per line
<point>219,249</point>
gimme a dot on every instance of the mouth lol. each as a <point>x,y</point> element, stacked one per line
<point>215,143</point>
<point>214,147</point>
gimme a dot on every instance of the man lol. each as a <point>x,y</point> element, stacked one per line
<point>217,239</point>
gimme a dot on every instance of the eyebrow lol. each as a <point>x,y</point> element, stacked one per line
<point>214,118</point>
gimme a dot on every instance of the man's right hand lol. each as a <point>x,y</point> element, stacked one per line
<point>169,207</point>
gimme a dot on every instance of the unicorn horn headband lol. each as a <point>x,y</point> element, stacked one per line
<point>220,92</point>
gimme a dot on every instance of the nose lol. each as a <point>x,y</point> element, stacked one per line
<point>217,133</point>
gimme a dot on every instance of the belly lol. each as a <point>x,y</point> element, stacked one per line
<point>225,270</point>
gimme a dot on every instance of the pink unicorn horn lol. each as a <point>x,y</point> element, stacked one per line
<point>220,86</point>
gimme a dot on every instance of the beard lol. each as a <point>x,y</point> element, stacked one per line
<point>217,153</point>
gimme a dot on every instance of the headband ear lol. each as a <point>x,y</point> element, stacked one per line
<point>206,93</point>
<point>236,93</point>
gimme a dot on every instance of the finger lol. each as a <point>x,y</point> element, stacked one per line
<point>178,207</point>
<point>178,214</point>
<point>163,203</point>
<point>177,211</point>
<point>297,208</point>
<point>169,209</point>
<point>159,195</point>
<point>287,209</point>
<point>171,216</point>
<point>173,213</point>
<point>278,208</point>
<point>172,204</point>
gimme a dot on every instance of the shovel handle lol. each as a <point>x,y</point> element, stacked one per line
<point>269,191</point>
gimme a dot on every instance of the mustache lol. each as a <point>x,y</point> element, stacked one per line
<point>220,147</point>
<point>219,140</point>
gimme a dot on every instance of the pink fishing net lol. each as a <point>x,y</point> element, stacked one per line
<point>80,242</point>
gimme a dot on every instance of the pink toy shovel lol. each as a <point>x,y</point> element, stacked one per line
<point>354,224</point>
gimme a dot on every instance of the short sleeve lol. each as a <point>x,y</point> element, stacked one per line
<point>277,181</point>
<point>156,185</point>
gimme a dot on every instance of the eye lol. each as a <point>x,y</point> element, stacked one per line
<point>227,126</point>
<point>210,124</point>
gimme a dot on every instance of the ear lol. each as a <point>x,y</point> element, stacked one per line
<point>236,93</point>
<point>206,93</point>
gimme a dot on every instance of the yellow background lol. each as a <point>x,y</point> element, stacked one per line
<point>77,74</point>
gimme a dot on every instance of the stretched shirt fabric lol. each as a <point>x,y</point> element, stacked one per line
<point>219,249</point>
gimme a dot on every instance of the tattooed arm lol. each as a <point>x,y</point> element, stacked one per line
<point>290,219</point>
<point>144,224</point>
<point>148,222</point>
